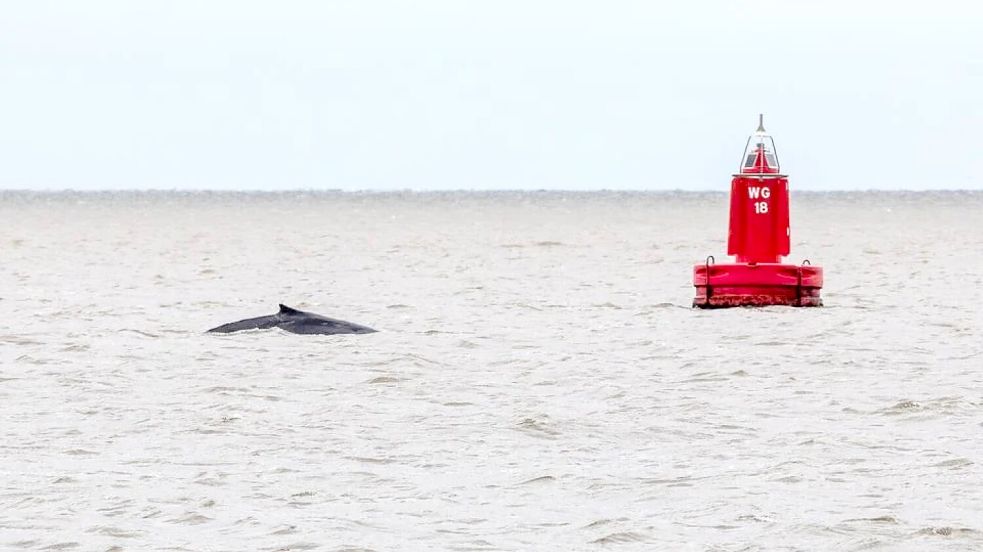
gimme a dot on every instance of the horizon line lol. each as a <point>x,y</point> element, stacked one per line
<point>370,191</point>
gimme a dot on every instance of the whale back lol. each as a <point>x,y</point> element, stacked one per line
<point>295,321</point>
<point>298,321</point>
<point>260,323</point>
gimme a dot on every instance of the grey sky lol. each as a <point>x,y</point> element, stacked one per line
<point>367,94</point>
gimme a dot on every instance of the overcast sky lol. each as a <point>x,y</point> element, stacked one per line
<point>426,94</point>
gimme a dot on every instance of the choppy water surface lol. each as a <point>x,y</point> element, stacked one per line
<point>539,381</point>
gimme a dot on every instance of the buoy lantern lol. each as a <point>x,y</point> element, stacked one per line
<point>759,238</point>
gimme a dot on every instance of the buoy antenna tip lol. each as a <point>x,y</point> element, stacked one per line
<point>761,122</point>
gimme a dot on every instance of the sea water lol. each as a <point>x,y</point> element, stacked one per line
<point>539,381</point>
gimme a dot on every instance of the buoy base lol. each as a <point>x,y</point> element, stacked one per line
<point>757,285</point>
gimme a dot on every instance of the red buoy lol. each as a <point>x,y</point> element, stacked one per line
<point>759,238</point>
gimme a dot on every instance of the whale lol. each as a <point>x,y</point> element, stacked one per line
<point>294,321</point>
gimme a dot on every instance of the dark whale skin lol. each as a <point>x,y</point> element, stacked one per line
<point>295,321</point>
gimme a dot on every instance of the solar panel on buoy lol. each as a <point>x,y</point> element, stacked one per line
<point>759,237</point>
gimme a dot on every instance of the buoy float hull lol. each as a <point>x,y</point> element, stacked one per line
<point>757,285</point>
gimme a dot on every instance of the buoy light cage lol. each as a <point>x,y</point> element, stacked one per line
<point>759,236</point>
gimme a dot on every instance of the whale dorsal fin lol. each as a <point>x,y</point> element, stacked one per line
<point>284,309</point>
